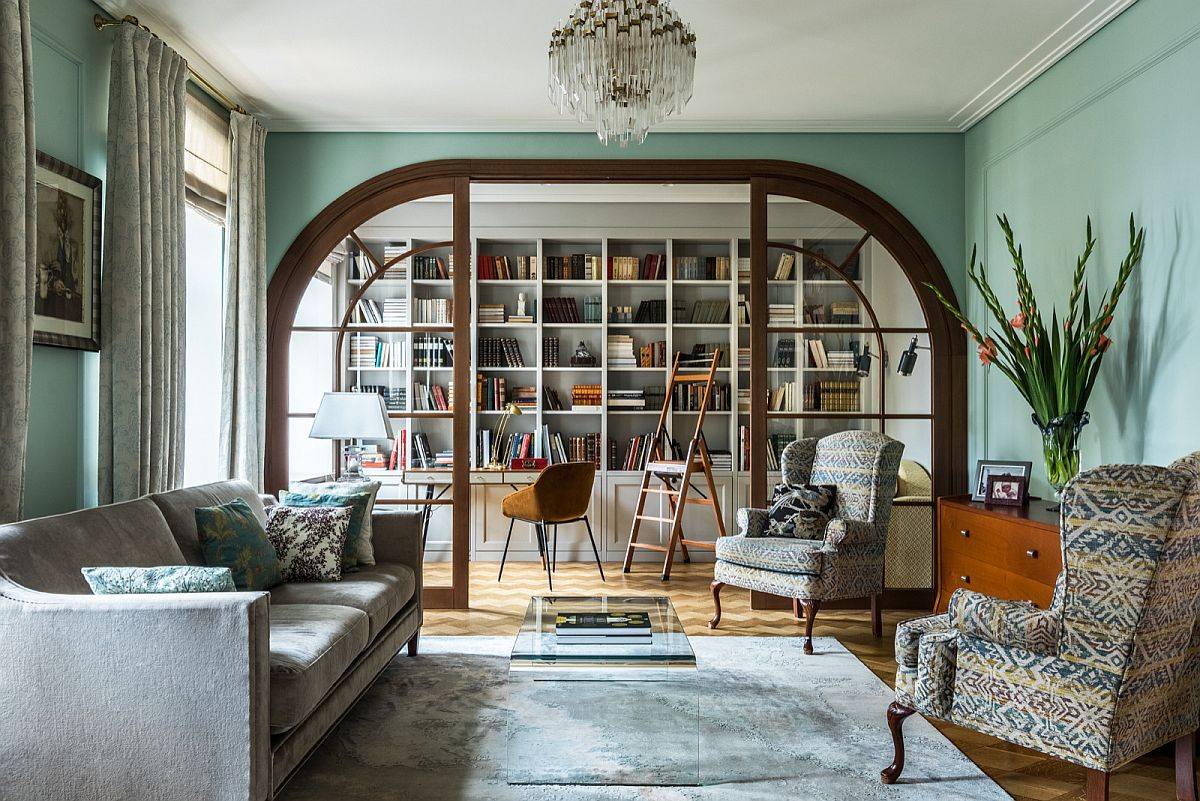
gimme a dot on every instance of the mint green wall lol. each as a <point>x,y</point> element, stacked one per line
<point>70,72</point>
<point>920,174</point>
<point>1110,129</point>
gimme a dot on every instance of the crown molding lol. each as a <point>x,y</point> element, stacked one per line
<point>119,8</point>
<point>400,124</point>
<point>1072,33</point>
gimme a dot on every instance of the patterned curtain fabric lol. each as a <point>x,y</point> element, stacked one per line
<point>18,197</point>
<point>244,365</point>
<point>142,311</point>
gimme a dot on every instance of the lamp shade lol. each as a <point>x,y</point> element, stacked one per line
<point>351,415</point>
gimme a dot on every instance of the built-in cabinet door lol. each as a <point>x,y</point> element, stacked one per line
<point>698,520</point>
<point>621,497</point>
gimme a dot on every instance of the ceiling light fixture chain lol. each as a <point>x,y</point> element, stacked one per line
<point>625,65</point>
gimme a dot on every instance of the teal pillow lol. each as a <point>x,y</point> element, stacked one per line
<point>359,504</point>
<point>172,578</point>
<point>366,551</point>
<point>231,536</point>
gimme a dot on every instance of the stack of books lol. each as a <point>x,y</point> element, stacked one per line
<point>781,314</point>
<point>600,628</point>
<point>525,398</point>
<point>743,400</point>
<point>491,313</point>
<point>841,359</point>
<point>585,397</point>
<point>743,358</point>
<point>624,399</point>
<point>399,270</point>
<point>395,311</point>
<point>620,351</point>
<point>721,460</point>
<point>844,312</point>
<point>744,269</point>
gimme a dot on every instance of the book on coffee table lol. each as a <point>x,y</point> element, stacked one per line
<point>598,627</point>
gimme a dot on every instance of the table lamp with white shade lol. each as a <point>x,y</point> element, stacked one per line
<point>351,416</point>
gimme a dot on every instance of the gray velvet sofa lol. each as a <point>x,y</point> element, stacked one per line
<point>193,696</point>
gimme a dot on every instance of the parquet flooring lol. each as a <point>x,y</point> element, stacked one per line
<point>497,609</point>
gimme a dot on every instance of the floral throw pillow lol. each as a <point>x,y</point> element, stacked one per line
<point>309,540</point>
<point>801,511</point>
<point>365,551</point>
<point>231,536</point>
<point>170,578</point>
<point>359,503</point>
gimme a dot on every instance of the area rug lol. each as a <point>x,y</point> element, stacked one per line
<point>775,725</point>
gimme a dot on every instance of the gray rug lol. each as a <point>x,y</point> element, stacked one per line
<point>775,725</point>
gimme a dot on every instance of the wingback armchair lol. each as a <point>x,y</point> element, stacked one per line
<point>1111,670</point>
<point>848,561</point>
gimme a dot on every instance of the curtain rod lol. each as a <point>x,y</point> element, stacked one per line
<point>101,22</point>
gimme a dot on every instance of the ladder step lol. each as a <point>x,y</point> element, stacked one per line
<point>703,545</point>
<point>660,491</point>
<point>648,546</point>
<point>692,377</point>
<point>655,519</point>
<point>700,501</point>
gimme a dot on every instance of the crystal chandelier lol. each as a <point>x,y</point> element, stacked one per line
<point>625,64</point>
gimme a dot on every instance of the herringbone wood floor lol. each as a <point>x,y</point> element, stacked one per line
<point>497,609</point>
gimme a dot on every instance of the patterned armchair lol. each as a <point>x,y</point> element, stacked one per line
<point>848,562</point>
<point>1112,669</point>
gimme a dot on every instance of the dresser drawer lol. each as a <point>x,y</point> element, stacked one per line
<point>1034,554</point>
<point>975,536</point>
<point>958,570</point>
<point>1024,589</point>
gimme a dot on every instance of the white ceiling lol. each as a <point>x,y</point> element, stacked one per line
<point>763,65</point>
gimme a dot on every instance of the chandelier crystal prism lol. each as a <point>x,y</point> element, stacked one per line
<point>624,64</point>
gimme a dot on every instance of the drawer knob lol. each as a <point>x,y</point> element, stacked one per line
<point>965,579</point>
<point>1031,553</point>
<point>965,532</point>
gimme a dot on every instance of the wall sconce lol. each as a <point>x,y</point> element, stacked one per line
<point>908,359</point>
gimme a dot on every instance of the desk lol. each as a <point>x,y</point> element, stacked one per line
<point>439,480</point>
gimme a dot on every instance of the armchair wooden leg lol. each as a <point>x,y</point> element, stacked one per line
<point>1097,785</point>
<point>716,591</point>
<point>876,616</point>
<point>412,642</point>
<point>810,613</point>
<point>1185,768</point>
<point>897,713</point>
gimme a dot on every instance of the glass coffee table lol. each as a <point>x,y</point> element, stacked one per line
<point>603,713</point>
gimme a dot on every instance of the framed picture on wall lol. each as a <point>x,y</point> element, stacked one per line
<point>986,468</point>
<point>66,300</point>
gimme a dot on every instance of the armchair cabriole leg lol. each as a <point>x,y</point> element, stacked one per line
<point>716,591</point>
<point>1097,785</point>
<point>810,613</point>
<point>876,616</point>
<point>412,642</point>
<point>1185,768</point>
<point>897,713</point>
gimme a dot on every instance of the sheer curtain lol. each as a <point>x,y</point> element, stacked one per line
<point>142,307</point>
<point>18,198</point>
<point>244,363</point>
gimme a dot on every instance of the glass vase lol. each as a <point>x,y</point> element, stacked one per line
<point>1060,448</point>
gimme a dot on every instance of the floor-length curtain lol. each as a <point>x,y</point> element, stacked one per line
<point>244,342</point>
<point>142,311</point>
<point>18,198</point>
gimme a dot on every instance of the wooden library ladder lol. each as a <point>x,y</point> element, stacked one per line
<point>675,475</point>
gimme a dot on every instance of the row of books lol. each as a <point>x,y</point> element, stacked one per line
<point>430,350</point>
<point>500,352</point>
<point>576,267</point>
<point>433,397</point>
<point>368,350</point>
<point>830,359</point>
<point>631,268</point>
<point>637,451</point>
<point>394,398</point>
<point>433,310</point>
<point>701,355</point>
<point>775,445</point>
<point>648,311</point>
<point>832,396</point>
<point>701,268</point>
<point>505,268</point>
<point>785,353</point>
<point>550,352</point>
<point>585,397</point>
<point>653,354</point>
<point>689,397</point>
<point>784,398</point>
<point>427,268</point>
<point>743,310</point>
<point>562,310</point>
<point>783,268</point>
<point>707,311</point>
<point>393,311</point>
<point>490,393</point>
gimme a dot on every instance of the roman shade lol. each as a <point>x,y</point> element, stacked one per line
<point>206,157</point>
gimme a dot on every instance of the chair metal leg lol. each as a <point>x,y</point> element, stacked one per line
<point>507,540</point>
<point>554,552</point>
<point>595,550</point>
<point>897,713</point>
<point>545,546</point>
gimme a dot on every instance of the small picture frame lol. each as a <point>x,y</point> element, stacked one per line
<point>985,468</point>
<point>1007,490</point>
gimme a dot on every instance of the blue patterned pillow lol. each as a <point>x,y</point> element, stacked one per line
<point>801,511</point>
<point>231,536</point>
<point>172,578</point>
<point>359,504</point>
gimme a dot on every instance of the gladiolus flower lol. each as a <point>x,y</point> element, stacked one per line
<point>987,351</point>
<point>1028,355</point>
<point>1101,345</point>
<point>1018,320</point>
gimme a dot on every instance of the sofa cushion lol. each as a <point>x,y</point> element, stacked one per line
<point>312,645</point>
<point>359,505</point>
<point>365,551</point>
<point>179,508</point>
<point>310,542</point>
<point>380,591</point>
<point>231,536</point>
<point>47,553</point>
<point>781,554</point>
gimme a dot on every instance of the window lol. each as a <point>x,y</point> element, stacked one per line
<point>202,410</point>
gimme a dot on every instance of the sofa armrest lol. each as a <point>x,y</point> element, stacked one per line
<point>841,533</point>
<point>752,522</point>
<point>268,500</point>
<point>397,536</point>
<point>168,694</point>
<point>1018,624</point>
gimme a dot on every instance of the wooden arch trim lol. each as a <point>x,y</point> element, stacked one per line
<point>824,187</point>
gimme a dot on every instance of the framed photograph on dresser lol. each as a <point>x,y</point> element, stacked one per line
<point>986,468</point>
<point>1007,490</point>
<point>66,301</point>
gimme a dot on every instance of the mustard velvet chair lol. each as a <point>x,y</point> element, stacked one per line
<point>1111,670</point>
<point>560,495</point>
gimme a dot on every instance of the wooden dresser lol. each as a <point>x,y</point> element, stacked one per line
<point>1005,551</point>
